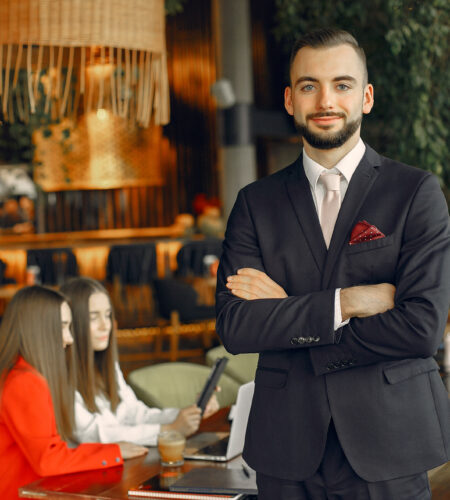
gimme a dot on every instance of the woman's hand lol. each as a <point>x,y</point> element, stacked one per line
<point>131,450</point>
<point>212,406</point>
<point>187,421</point>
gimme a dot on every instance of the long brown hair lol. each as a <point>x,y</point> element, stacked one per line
<point>95,369</point>
<point>32,328</point>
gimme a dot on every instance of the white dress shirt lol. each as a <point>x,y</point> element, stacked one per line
<point>346,167</point>
<point>132,421</point>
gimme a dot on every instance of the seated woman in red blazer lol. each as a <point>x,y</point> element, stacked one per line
<point>36,396</point>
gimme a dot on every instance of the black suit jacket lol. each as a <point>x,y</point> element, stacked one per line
<point>376,376</point>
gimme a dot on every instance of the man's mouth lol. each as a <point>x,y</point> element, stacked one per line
<point>326,119</point>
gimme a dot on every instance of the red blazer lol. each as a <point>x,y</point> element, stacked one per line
<point>30,445</point>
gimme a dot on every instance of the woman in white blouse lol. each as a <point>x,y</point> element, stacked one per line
<point>106,408</point>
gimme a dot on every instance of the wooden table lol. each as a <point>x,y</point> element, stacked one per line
<point>114,483</point>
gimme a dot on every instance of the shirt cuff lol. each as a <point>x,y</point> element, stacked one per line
<point>338,323</point>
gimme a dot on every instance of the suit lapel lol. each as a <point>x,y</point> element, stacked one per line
<point>301,198</point>
<point>357,191</point>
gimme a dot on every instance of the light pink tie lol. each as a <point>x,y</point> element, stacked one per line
<point>330,204</point>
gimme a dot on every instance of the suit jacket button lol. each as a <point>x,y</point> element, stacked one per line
<point>310,340</point>
<point>294,340</point>
<point>330,366</point>
<point>316,339</point>
<point>301,340</point>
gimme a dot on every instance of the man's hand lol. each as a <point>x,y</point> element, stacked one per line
<point>367,300</point>
<point>251,284</point>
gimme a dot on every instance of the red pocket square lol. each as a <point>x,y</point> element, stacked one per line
<point>363,231</point>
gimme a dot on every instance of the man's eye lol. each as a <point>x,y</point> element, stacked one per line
<point>308,88</point>
<point>343,86</point>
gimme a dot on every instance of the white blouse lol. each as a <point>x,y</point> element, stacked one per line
<point>132,421</point>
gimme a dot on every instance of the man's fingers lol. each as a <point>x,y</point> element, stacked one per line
<point>262,277</point>
<point>244,295</point>
<point>257,284</point>
<point>254,273</point>
<point>252,284</point>
<point>249,271</point>
<point>252,287</point>
<point>264,281</point>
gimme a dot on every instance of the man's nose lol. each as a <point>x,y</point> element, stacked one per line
<point>325,98</point>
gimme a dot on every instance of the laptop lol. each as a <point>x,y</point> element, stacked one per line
<point>220,446</point>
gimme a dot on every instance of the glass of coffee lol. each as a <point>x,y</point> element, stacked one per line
<point>171,446</point>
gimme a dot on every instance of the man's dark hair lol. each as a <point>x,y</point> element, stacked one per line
<point>329,37</point>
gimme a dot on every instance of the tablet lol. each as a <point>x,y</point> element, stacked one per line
<point>211,382</point>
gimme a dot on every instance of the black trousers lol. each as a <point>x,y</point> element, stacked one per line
<point>336,480</point>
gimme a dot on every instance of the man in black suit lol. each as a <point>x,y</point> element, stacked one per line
<point>336,270</point>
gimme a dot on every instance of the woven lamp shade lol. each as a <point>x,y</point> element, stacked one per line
<point>80,55</point>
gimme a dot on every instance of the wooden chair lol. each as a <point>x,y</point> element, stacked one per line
<point>202,330</point>
<point>136,338</point>
<point>182,317</point>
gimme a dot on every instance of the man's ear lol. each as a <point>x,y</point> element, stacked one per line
<point>288,100</point>
<point>368,99</point>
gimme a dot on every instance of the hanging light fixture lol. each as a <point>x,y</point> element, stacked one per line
<point>64,57</point>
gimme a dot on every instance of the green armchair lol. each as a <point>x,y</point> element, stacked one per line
<point>240,367</point>
<point>178,384</point>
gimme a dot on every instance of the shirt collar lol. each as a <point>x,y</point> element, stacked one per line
<point>346,166</point>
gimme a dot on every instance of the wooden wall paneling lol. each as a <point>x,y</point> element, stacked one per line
<point>134,205</point>
<point>154,207</point>
<point>141,194</point>
<point>101,196</point>
<point>87,211</point>
<point>84,210</point>
<point>160,208</point>
<point>77,202</point>
<point>51,199</point>
<point>117,212</point>
<point>110,209</point>
<point>126,205</point>
<point>156,212</point>
<point>67,209</point>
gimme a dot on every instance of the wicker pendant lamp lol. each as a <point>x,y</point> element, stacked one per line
<point>64,57</point>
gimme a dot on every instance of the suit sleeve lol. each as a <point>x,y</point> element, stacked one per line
<point>265,324</point>
<point>414,328</point>
<point>28,415</point>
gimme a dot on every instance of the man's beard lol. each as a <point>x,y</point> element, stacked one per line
<point>331,141</point>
